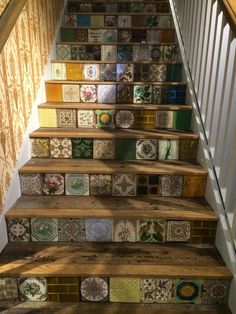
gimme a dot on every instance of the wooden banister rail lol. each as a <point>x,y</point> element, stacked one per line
<point>229,8</point>
<point>8,19</point>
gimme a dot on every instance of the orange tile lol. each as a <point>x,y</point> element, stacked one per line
<point>54,92</point>
<point>74,72</point>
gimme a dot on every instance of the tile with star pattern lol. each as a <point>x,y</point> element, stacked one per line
<point>124,185</point>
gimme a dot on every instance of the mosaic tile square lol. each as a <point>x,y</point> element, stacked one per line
<point>124,53</point>
<point>85,118</point>
<point>137,7</point>
<point>146,149</point>
<point>77,184</point>
<point>71,230</point>
<point>173,72</point>
<point>18,230</point>
<point>171,53</point>
<point>187,291</point>
<point>125,72</point>
<point>111,7</point>
<point>111,21</point>
<point>124,7</point>
<point>125,119</point>
<point>188,149</point>
<point>168,149</point>
<point>124,94</point>
<point>82,35</point>
<point>151,21</point>
<point>158,73</point>
<point>141,72</point>
<point>99,7</point>
<point>156,53</point>
<point>40,147</point>
<point>63,52</point>
<point>60,148</point>
<point>71,93</point>
<point>141,53</point>
<point>94,289</point>
<point>124,185</point>
<point>142,93</point>
<point>103,149</point>
<point>108,72</point>
<point>83,20</point>
<point>215,291</point>
<point>70,20</point>
<point>58,71</point>
<point>147,185</point>
<point>164,119</point>
<point>97,21</point>
<point>88,93</point>
<point>91,72</point>
<point>100,184</point>
<point>165,21</point>
<point>124,21</point>
<point>94,35</point>
<point>125,231</point>
<point>8,289</point>
<point>66,118</point>
<point>178,231</point>
<point>82,148</point>
<point>44,229</point>
<point>156,290</point>
<point>93,52</point>
<point>67,35</point>
<point>53,184</point>
<point>124,35</point>
<point>109,36</point>
<point>171,185</point>
<point>105,118</point>
<point>85,7</point>
<point>125,290</point>
<point>53,92</point>
<point>32,289</point>
<point>78,52</point>
<point>138,20</point>
<point>152,231</point>
<point>107,94</point>
<point>98,230</point>
<point>125,149</point>
<point>74,72</point>
<point>108,53</point>
<point>31,184</point>
<point>139,35</point>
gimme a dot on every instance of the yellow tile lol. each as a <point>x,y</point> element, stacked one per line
<point>97,21</point>
<point>54,92</point>
<point>47,118</point>
<point>74,72</point>
<point>125,290</point>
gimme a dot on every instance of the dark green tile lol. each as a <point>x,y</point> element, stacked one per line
<point>82,148</point>
<point>67,34</point>
<point>182,120</point>
<point>173,72</point>
<point>125,149</point>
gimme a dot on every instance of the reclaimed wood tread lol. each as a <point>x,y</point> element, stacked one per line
<point>113,62</point>
<point>112,133</point>
<point>119,28</point>
<point>45,165</point>
<point>116,43</point>
<point>114,83</point>
<point>112,260</point>
<point>118,13</point>
<point>112,207</point>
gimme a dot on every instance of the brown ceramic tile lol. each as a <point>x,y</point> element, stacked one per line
<point>194,186</point>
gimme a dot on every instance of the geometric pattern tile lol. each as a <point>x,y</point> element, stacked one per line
<point>124,53</point>
<point>40,147</point>
<point>53,184</point>
<point>125,72</point>
<point>125,119</point>
<point>125,231</point>
<point>168,149</point>
<point>88,93</point>
<point>187,291</point>
<point>85,118</point>
<point>178,231</point>
<point>94,289</point>
<point>98,230</point>
<point>81,35</point>
<point>147,185</point>
<point>77,184</point>
<point>142,94</point>
<point>215,291</point>
<point>32,289</point>
<point>171,185</point>
<point>47,118</point>
<point>60,148</point>
<point>82,148</point>
<point>100,184</point>
<point>107,72</point>
<point>71,230</point>
<point>91,72</point>
<point>66,118</point>
<point>63,52</point>
<point>71,93</point>
<point>108,52</point>
<point>31,184</point>
<point>152,231</point>
<point>156,290</point>
<point>141,53</point>
<point>156,53</point>
<point>125,290</point>
<point>141,72</point>
<point>8,289</point>
<point>44,229</point>
<point>124,185</point>
<point>157,72</point>
<point>164,119</point>
<point>103,149</point>
<point>105,118</point>
<point>106,94</point>
<point>146,149</point>
<point>18,230</point>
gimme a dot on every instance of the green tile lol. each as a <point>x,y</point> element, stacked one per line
<point>173,72</point>
<point>125,149</point>
<point>182,120</point>
<point>82,148</point>
<point>67,34</point>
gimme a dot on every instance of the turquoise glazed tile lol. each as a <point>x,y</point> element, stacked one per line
<point>125,149</point>
<point>71,230</point>
<point>32,289</point>
<point>67,35</point>
<point>156,290</point>
<point>124,53</point>
<point>147,185</point>
<point>18,229</point>
<point>83,20</point>
<point>108,72</point>
<point>105,118</point>
<point>124,94</point>
<point>94,289</point>
<point>109,36</point>
<point>100,184</point>
<point>77,184</point>
<point>124,185</point>
<point>146,149</point>
<point>82,148</point>
<point>107,94</point>
<point>152,231</point>
<point>98,230</point>
<point>9,290</point>
<point>187,291</point>
<point>44,229</point>
<point>215,291</point>
<point>142,94</point>
<point>124,72</point>
<point>53,184</point>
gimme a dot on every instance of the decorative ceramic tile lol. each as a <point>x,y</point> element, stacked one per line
<point>142,94</point>
<point>124,21</point>
<point>111,21</point>
<point>125,119</point>
<point>141,72</point>
<point>158,72</point>
<point>99,7</point>
<point>108,52</point>
<point>125,148</point>
<point>88,93</point>
<point>108,72</point>
<point>125,231</point>
<point>83,20</point>
<point>137,7</point>
<point>70,20</point>
<point>125,72</point>
<point>156,53</point>
<point>124,94</point>
<point>165,21</point>
<point>94,289</point>
<point>146,149</point>
<point>171,185</point>
<point>124,35</point>
<point>100,184</point>
<point>85,118</point>
<point>47,118</point>
<point>215,291</point>
<point>70,93</point>
<point>31,184</point>
<point>53,92</point>
<point>73,7</point>
<point>93,52</point>
<point>152,231</point>
<point>60,148</point>
<point>125,290</point>
<point>40,147</point>
<point>111,7</point>
<point>139,35</point>
<point>187,291</point>
<point>53,184</point>
<point>63,52</point>
<point>107,94</point>
<point>153,36</point>
<point>71,230</point>
<point>156,290</point>
<point>124,7</point>
<point>150,8</point>
<point>94,35</point>
<point>151,21</point>
<point>103,149</point>
<point>173,72</point>
<point>97,21</point>
<point>171,53</point>
<point>124,53</point>
<point>74,72</point>
<point>109,36</point>
<point>8,289</point>
<point>145,119</point>
<point>44,229</point>
<point>168,149</point>
<point>66,118</point>
<point>164,119</point>
<point>63,289</point>
<point>18,230</point>
<point>67,35</point>
<point>77,184</point>
<point>91,72</point>
<point>178,231</point>
<point>138,20</point>
<point>78,52</point>
<point>188,149</point>
<point>124,185</point>
<point>82,35</point>
<point>32,289</point>
<point>147,185</point>
<point>82,148</point>
<point>58,71</point>
<point>105,118</point>
<point>98,230</point>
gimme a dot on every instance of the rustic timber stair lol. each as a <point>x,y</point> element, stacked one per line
<point>112,208</point>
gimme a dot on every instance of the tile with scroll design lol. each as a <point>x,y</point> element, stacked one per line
<point>103,149</point>
<point>70,93</point>
<point>8,289</point>
<point>168,149</point>
<point>83,20</point>
<point>58,71</point>
<point>107,72</point>
<point>63,52</point>
<point>110,21</point>
<point>60,148</point>
<point>125,230</point>
<point>141,53</point>
<point>164,119</point>
<point>108,52</point>
<point>152,231</point>
<point>178,231</point>
<point>100,184</point>
<point>44,229</point>
<point>125,119</point>
<point>40,147</point>
<point>98,230</point>
<point>97,21</point>
<point>105,118</point>
<point>124,53</point>
<point>53,92</point>
<point>71,230</point>
<point>81,35</point>
<point>124,94</point>
<point>158,73</point>
<point>156,290</point>
<point>47,118</point>
<point>138,21</point>
<point>70,20</point>
<point>125,290</point>
<point>124,185</point>
<point>215,291</point>
<point>32,289</point>
<point>82,148</point>
<point>142,93</point>
<point>157,53</point>
<point>94,36</point>
<point>31,184</point>
<point>91,72</point>
<point>53,184</point>
<point>125,72</point>
<point>187,291</point>
<point>171,185</point>
<point>66,118</point>
<point>109,35</point>
<point>124,35</point>
<point>146,149</point>
<point>94,289</point>
<point>124,21</point>
<point>74,72</point>
<point>107,94</point>
<point>77,184</point>
<point>18,230</point>
<point>88,93</point>
<point>85,118</point>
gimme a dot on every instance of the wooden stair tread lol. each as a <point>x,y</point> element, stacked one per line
<point>113,62</point>
<point>119,27</point>
<point>115,43</point>
<point>45,165</point>
<point>113,133</point>
<point>113,207</point>
<point>114,83</point>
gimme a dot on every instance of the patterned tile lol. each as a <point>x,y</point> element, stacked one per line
<point>156,53</point>
<point>151,21</point>
<point>97,21</point>
<point>98,230</point>
<point>8,289</point>
<point>88,93</point>
<point>100,184</point>
<point>108,72</point>
<point>47,118</point>
<point>142,94</point>
<point>106,94</point>
<point>94,289</point>
<point>105,118</point>
<point>138,20</point>
<point>165,21</point>
<point>187,291</point>
<point>91,72</point>
<point>40,147</point>
<point>156,290</point>
<point>164,119</point>
<point>124,35</point>
<point>124,94</point>
<point>99,7</point>
<point>124,185</point>
<point>70,20</point>
<point>32,289</point>
<point>71,230</point>
<point>108,52</point>
<point>94,36</point>
<point>110,21</point>
<point>83,20</point>
<point>74,71</point>
<point>146,149</point>
<point>158,73</point>
<point>103,149</point>
<point>153,36</point>
<point>60,148</point>
<point>141,72</point>
<point>58,71</point>
<point>139,35</point>
<point>137,7</point>
<point>78,52</point>
<point>85,118</point>
<point>63,52</point>
<point>150,8</point>
<point>109,36</point>
<point>125,290</point>
<point>125,119</point>
<point>168,149</point>
<point>171,185</point>
<point>93,52</point>
<point>66,118</point>
<point>147,185</point>
<point>152,231</point>
<point>70,93</point>
<point>160,95</point>
<point>84,7</point>
<point>125,149</point>
<point>82,148</point>
<point>124,21</point>
<point>125,231</point>
<point>124,7</point>
<point>31,184</point>
<point>18,230</point>
<point>53,184</point>
<point>77,184</point>
<point>188,149</point>
<point>215,291</point>
<point>124,53</point>
<point>125,72</point>
<point>178,231</point>
<point>111,7</point>
<point>82,35</point>
<point>171,53</point>
<point>44,229</point>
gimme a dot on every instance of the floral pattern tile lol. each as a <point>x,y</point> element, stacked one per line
<point>215,291</point>
<point>125,290</point>
<point>168,149</point>
<point>156,290</point>
<point>32,289</point>
<point>70,93</point>
<point>124,185</point>
<point>44,229</point>
<point>124,36</point>
<point>103,149</point>
<point>106,94</point>
<point>152,231</point>
<point>8,289</point>
<point>91,72</point>
<point>94,289</point>
<point>142,94</point>
<point>108,52</point>
<point>100,184</point>
<point>78,52</point>
<point>31,184</point>
<point>98,230</point>
<point>18,230</point>
<point>125,72</point>
<point>187,291</point>
<point>109,35</point>
<point>40,147</point>
<point>164,119</point>
<point>147,185</point>
<point>88,93</point>
<point>124,53</point>
<point>77,184</point>
<point>125,119</point>
<point>71,230</point>
<point>171,185</point>
<point>82,148</point>
<point>110,21</point>
<point>53,184</point>
<point>66,118</point>
<point>146,149</point>
<point>124,21</point>
<point>63,52</point>
<point>158,72</point>
<point>178,231</point>
<point>85,118</point>
<point>124,94</point>
<point>156,53</point>
<point>107,72</point>
<point>125,231</point>
<point>60,148</point>
<point>105,118</point>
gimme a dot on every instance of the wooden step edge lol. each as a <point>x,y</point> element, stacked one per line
<point>117,13</point>
<point>125,1</point>
<point>115,83</point>
<point>117,43</point>
<point>111,62</point>
<point>118,28</point>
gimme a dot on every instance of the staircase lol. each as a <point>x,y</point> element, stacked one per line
<point>112,208</point>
